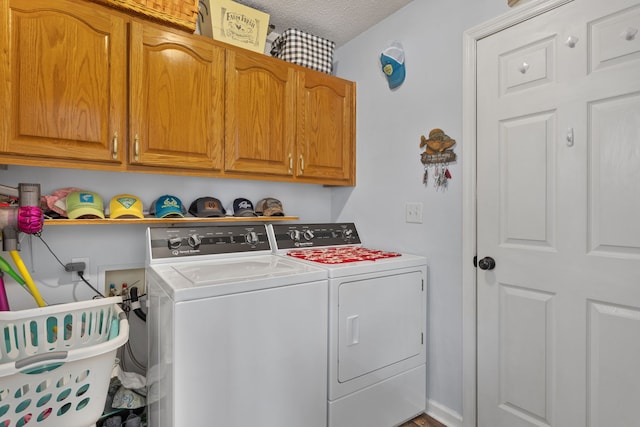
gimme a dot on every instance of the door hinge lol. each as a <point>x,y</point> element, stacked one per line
<point>422,285</point>
<point>421,338</point>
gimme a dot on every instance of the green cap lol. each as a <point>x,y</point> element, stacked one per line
<point>83,203</point>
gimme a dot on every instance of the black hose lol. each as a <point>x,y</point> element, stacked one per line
<point>135,304</point>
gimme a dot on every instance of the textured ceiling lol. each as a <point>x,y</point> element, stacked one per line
<point>336,20</point>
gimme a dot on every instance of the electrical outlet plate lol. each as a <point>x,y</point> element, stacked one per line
<point>133,277</point>
<point>74,274</point>
<point>413,213</point>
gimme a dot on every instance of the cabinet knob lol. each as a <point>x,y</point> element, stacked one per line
<point>290,164</point>
<point>301,163</point>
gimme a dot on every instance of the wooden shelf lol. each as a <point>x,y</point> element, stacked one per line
<point>174,221</point>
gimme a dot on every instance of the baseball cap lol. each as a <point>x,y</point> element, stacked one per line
<point>56,202</point>
<point>269,207</point>
<point>125,206</point>
<point>206,207</point>
<point>392,60</point>
<point>167,206</point>
<point>84,204</point>
<point>242,207</point>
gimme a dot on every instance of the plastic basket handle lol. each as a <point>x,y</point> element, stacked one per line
<point>39,358</point>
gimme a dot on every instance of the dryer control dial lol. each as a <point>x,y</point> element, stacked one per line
<point>251,237</point>
<point>194,240</point>
<point>295,235</point>
<point>174,242</point>
<point>308,234</point>
<point>347,233</point>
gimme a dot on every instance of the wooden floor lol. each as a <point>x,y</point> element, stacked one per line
<point>423,421</point>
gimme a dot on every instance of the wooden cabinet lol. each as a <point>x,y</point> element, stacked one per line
<point>326,129</point>
<point>176,97</point>
<point>260,115</point>
<point>287,121</point>
<point>63,81</point>
<point>86,86</point>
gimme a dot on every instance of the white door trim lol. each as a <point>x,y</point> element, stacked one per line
<point>470,40</point>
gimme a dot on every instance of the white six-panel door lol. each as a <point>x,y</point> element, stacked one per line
<point>558,209</point>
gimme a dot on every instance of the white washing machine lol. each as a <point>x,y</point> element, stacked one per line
<point>377,323</point>
<point>237,335</point>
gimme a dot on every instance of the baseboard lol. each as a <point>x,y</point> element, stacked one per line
<point>441,413</point>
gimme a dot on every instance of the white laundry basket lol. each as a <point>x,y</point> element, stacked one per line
<point>56,362</point>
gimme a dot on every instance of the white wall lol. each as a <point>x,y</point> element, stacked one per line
<point>389,171</point>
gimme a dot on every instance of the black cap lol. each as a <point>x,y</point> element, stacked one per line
<point>243,207</point>
<point>206,207</point>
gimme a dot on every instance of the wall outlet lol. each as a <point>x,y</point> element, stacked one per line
<point>133,277</point>
<point>74,274</point>
<point>413,213</point>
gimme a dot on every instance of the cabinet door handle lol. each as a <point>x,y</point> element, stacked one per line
<point>301,163</point>
<point>290,164</point>
<point>136,147</point>
<point>114,150</point>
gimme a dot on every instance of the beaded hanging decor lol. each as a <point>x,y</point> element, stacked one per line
<point>437,156</point>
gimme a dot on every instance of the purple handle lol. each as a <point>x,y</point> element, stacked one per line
<point>4,302</point>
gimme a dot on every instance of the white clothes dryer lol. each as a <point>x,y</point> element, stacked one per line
<point>377,323</point>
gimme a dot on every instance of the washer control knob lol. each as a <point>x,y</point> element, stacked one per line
<point>347,233</point>
<point>194,241</point>
<point>295,235</point>
<point>251,237</point>
<point>174,242</point>
<point>308,234</point>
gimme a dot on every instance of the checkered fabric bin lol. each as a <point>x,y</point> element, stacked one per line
<point>304,49</point>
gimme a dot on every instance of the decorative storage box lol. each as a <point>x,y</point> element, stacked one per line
<point>304,49</point>
<point>234,23</point>
<point>179,13</point>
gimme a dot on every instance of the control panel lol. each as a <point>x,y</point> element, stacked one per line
<point>172,242</point>
<point>295,236</point>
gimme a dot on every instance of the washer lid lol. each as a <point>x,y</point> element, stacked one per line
<point>214,277</point>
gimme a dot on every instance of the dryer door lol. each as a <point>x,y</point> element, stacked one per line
<point>379,322</point>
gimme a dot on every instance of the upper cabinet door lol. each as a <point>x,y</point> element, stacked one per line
<point>62,74</point>
<point>260,115</point>
<point>326,130</point>
<point>177,100</point>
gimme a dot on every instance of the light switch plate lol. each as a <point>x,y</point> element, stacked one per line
<point>413,213</point>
